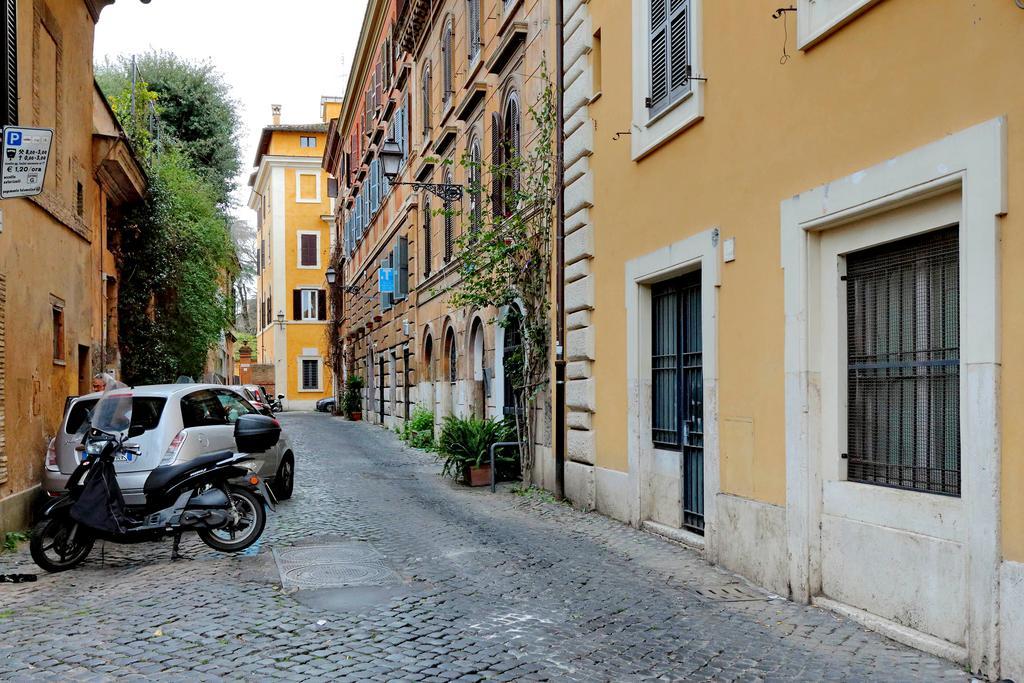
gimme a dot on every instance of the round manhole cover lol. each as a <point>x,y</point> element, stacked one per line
<point>349,574</point>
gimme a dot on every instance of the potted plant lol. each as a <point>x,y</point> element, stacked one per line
<point>353,399</point>
<point>465,444</point>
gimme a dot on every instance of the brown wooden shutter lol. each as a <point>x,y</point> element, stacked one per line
<point>496,162</point>
<point>9,55</point>
<point>296,304</point>
<point>428,255</point>
<point>321,304</point>
<point>308,250</point>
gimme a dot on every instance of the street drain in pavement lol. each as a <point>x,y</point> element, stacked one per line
<point>731,593</point>
<point>385,476</point>
<point>333,566</point>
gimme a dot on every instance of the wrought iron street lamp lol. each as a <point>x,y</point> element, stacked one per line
<point>331,275</point>
<point>391,157</point>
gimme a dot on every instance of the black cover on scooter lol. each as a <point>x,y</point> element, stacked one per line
<point>101,505</point>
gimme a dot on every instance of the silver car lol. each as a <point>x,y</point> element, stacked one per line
<point>181,422</point>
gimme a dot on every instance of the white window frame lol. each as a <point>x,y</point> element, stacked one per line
<point>316,304</point>
<point>298,187</point>
<point>298,249</point>
<point>816,19</point>
<point>319,374</point>
<point>650,132</point>
<point>304,138</point>
<point>972,161</point>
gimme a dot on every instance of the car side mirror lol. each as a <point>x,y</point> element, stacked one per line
<point>136,430</point>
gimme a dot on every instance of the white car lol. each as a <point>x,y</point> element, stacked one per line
<point>181,422</point>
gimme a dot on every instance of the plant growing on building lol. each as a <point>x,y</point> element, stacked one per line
<point>505,256</point>
<point>175,257</point>
<point>466,442</point>
<point>353,400</point>
<point>418,430</point>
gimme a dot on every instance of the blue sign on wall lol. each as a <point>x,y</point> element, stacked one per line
<point>386,280</point>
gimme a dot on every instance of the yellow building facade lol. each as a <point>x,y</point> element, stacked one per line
<point>58,277</point>
<point>294,215</point>
<point>792,299</point>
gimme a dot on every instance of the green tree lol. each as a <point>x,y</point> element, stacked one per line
<point>195,109</point>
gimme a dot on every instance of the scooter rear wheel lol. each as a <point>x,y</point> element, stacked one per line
<point>50,547</point>
<point>247,530</point>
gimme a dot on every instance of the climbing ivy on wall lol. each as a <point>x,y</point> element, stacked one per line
<point>175,258</point>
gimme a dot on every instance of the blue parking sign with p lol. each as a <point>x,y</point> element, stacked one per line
<point>14,138</point>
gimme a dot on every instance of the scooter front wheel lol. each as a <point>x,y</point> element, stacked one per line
<point>243,531</point>
<point>59,544</point>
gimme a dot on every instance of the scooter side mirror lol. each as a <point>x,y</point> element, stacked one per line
<point>136,430</point>
<point>280,395</point>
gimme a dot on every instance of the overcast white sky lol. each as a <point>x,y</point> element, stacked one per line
<point>270,52</point>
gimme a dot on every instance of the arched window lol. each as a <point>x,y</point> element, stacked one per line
<point>426,101</point>
<point>428,354</point>
<point>512,360</point>
<point>475,185</point>
<point>447,38</point>
<point>452,356</point>
<point>473,33</point>
<point>497,157</point>
<point>449,223</point>
<point>428,251</point>
<point>511,144</point>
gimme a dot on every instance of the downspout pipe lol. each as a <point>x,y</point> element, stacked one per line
<point>559,431</point>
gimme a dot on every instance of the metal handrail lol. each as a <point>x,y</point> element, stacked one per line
<point>494,447</point>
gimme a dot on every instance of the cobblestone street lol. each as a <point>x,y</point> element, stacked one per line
<point>472,586</point>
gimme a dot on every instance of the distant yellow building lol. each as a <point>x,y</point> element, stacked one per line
<point>293,216</point>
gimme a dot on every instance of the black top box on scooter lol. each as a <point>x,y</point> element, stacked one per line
<point>256,433</point>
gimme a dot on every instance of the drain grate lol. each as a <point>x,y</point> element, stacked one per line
<point>333,566</point>
<point>731,593</point>
<point>385,475</point>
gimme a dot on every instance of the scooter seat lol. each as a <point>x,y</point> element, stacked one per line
<point>162,476</point>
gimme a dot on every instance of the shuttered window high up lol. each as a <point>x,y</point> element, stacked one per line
<point>903,355</point>
<point>425,101</point>
<point>309,250</point>
<point>9,84</point>
<point>449,224</point>
<point>511,149</point>
<point>475,185</point>
<point>473,14</point>
<point>401,269</point>
<point>496,165</point>
<point>669,52</point>
<point>428,253</point>
<point>447,62</point>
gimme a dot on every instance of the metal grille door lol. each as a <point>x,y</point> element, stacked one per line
<point>903,377</point>
<point>512,359</point>
<point>677,385</point>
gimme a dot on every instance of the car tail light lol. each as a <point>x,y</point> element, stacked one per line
<point>51,456</point>
<point>173,448</point>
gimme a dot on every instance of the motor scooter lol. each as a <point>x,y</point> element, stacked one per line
<point>217,495</point>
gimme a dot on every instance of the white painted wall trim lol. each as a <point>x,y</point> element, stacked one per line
<point>698,251</point>
<point>278,274</point>
<point>299,199</point>
<point>816,19</point>
<point>973,160</point>
<point>319,374</point>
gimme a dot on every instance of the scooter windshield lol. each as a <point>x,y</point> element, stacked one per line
<point>113,412</point>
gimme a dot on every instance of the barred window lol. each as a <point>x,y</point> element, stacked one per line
<point>903,346</point>
<point>677,388</point>
<point>310,374</point>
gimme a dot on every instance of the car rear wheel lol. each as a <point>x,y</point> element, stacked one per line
<point>244,530</point>
<point>60,543</point>
<point>284,480</point>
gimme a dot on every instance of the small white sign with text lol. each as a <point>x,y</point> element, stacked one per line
<point>26,152</point>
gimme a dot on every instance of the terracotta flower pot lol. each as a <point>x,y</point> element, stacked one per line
<point>356,415</point>
<point>478,476</point>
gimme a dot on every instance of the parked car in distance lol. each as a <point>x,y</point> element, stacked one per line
<point>255,399</point>
<point>326,405</point>
<point>180,422</point>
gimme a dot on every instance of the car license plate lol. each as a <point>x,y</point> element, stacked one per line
<point>124,457</point>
